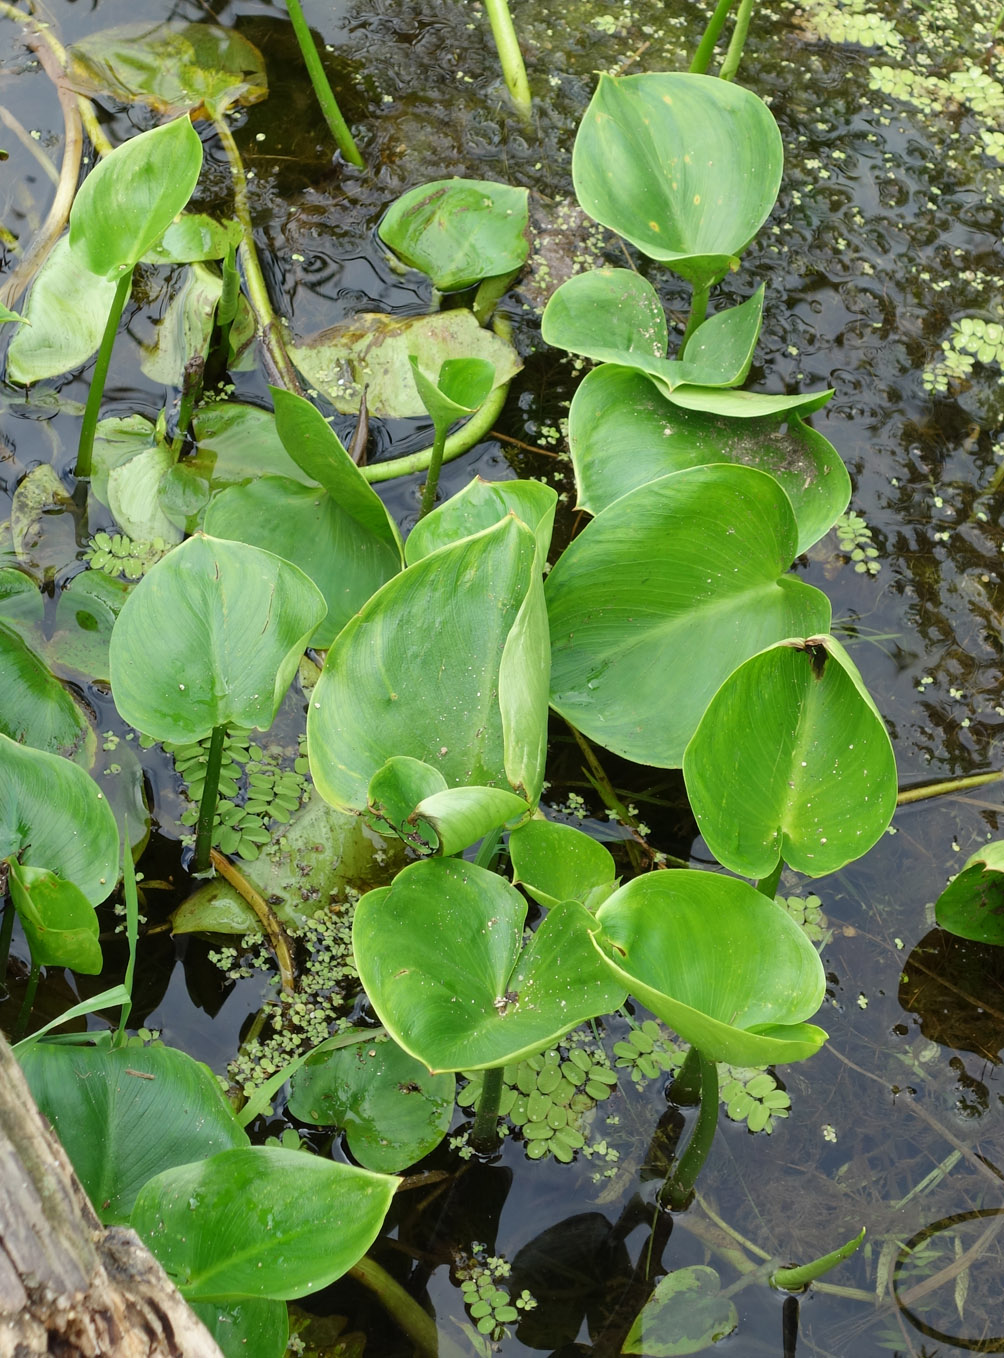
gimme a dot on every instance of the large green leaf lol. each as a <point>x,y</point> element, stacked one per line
<point>58,920</point>
<point>662,596</point>
<point>131,197</point>
<point>972,905</point>
<point>440,953</point>
<point>260,1222</point>
<point>126,1115</point>
<point>67,309</point>
<point>53,816</point>
<point>791,761</point>
<point>615,316</point>
<point>174,68</point>
<point>391,1109</point>
<point>211,635</point>
<point>723,965</point>
<point>623,433</point>
<point>459,231</point>
<point>686,167</point>
<point>373,350</point>
<point>685,1314</point>
<point>480,505</point>
<point>425,670</point>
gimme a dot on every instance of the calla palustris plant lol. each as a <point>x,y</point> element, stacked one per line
<point>445,665</point>
<point>791,761</point>
<point>461,388</point>
<point>555,862</point>
<point>211,637</point>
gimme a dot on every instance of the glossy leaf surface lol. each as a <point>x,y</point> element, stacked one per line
<point>623,434</point>
<point>391,1109</point>
<point>461,387</point>
<point>972,905</point>
<point>717,961</point>
<point>211,635</point>
<point>440,954</point>
<point>52,815</point>
<point>247,1326</point>
<point>125,1115</point>
<point>260,1221</point>
<point>67,309</point>
<point>662,596</point>
<point>686,167</point>
<point>480,505</point>
<point>459,231</point>
<point>556,862</point>
<point>792,761</point>
<point>37,710</point>
<point>131,197</point>
<point>58,920</point>
<point>413,800</point>
<point>421,671</point>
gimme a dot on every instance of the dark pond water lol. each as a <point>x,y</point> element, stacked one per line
<point>888,230</point>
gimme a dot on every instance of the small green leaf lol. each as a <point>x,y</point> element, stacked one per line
<point>131,197</point>
<point>972,906</point>
<point>58,920</point>
<point>462,387</point>
<point>685,1314</point>
<point>66,312</point>
<point>459,231</point>
<point>559,863</point>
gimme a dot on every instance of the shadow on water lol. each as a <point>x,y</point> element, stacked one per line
<point>887,233</point>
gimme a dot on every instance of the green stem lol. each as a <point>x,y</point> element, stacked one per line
<point>687,1081</point>
<point>488,851</point>
<point>85,449</point>
<point>337,125</point>
<point>767,886</point>
<point>432,480</point>
<point>485,1132</point>
<point>261,305</point>
<point>737,42</point>
<point>702,57</point>
<point>207,806</point>
<point>507,46</point>
<point>6,934</point>
<point>191,393</point>
<point>679,1186</point>
<point>417,1324</point>
<point>471,433</point>
<point>698,311</point>
<point>921,794</point>
<point>28,1003</point>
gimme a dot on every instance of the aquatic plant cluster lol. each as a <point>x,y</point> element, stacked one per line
<point>428,922</point>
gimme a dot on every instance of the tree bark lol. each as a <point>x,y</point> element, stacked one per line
<point>70,1287</point>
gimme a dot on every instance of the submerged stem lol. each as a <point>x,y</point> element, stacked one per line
<point>679,1186</point>
<point>337,125</point>
<point>466,437</point>
<point>510,56</point>
<point>485,1132</point>
<point>92,410</point>
<point>417,1324</point>
<point>207,806</point>
<point>702,57</point>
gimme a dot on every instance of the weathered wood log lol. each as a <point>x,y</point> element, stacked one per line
<point>68,1285</point>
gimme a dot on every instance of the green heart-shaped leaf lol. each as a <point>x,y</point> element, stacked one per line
<point>58,920</point>
<point>118,1115</point>
<point>662,596</point>
<point>462,387</point>
<point>972,906</point>
<point>67,309</point>
<point>685,1314</point>
<point>211,636</point>
<point>440,954</point>
<point>792,761</point>
<point>53,816</point>
<point>392,1110</point>
<point>623,433</point>
<point>260,1222</point>
<point>725,967</point>
<point>686,167</point>
<point>131,197</point>
<point>443,665</point>
<point>459,231</point>
<point>557,862</point>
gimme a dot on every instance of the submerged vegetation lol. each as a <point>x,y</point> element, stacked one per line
<point>344,715</point>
